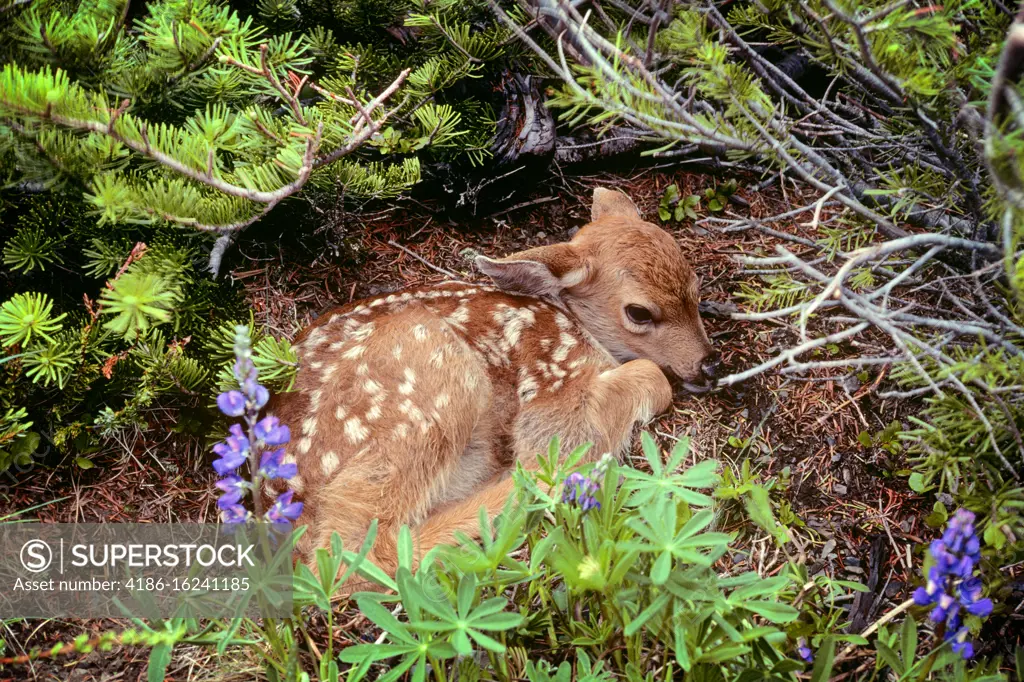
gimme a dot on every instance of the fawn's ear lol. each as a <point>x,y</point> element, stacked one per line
<point>612,202</point>
<point>542,271</point>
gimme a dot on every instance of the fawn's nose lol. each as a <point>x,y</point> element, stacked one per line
<point>709,366</point>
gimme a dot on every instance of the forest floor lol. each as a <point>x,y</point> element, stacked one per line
<point>851,513</point>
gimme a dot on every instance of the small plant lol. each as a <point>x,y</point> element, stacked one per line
<point>673,206</point>
<point>887,439</point>
<point>718,196</point>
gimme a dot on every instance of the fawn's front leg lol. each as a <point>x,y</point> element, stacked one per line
<point>601,409</point>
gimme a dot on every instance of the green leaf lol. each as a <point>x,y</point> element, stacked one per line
<point>159,659</point>
<point>84,463</point>
<point>761,588</point>
<point>938,517</point>
<point>908,640</point>
<point>26,316</point>
<point>776,612</point>
<point>660,602</point>
<point>138,300</point>
<point>383,619</point>
<point>726,652</point>
<point>671,194</point>
<point>703,474</point>
<point>759,508</point>
<point>373,652</point>
<point>889,656</point>
<point>824,657</point>
<point>662,568</point>
<point>994,537</point>
<point>916,482</point>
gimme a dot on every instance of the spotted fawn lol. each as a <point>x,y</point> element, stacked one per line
<point>413,408</point>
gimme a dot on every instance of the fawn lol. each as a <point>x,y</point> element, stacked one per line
<point>412,408</point>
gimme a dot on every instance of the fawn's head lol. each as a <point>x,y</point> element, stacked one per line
<point>628,284</point>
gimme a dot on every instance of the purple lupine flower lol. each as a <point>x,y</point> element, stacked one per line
<point>272,432</point>
<point>283,509</point>
<point>260,396</point>
<point>961,645</point>
<point>804,651</point>
<point>243,445</point>
<point>234,514</point>
<point>234,451</point>
<point>952,586</point>
<point>231,403</point>
<point>580,489</point>
<point>272,465</point>
<point>234,487</point>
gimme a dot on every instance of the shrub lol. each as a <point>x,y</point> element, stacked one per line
<point>887,118</point>
<point>137,142</point>
<point>609,572</point>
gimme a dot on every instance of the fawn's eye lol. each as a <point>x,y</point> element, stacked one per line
<point>638,314</point>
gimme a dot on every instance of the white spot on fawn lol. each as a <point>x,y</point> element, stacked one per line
<point>340,412</point>
<point>566,342</point>
<point>362,370</point>
<point>408,408</point>
<point>459,317</point>
<point>402,431</point>
<point>373,414</point>
<point>442,401</point>
<point>562,321</point>
<point>409,385</point>
<point>397,352</point>
<point>372,387</point>
<point>420,332</point>
<point>296,483</point>
<point>304,445</point>
<point>527,388</point>
<point>437,358</point>
<point>329,463</point>
<point>328,373</point>
<point>355,430</point>
<point>363,332</point>
<point>309,427</point>
<point>354,353</point>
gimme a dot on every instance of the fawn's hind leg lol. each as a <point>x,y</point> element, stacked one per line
<point>407,451</point>
<point>604,409</point>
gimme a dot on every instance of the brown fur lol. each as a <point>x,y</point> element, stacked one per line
<point>412,408</point>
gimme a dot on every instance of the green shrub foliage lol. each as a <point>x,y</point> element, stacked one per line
<point>900,123</point>
<point>644,581</point>
<point>132,136</point>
